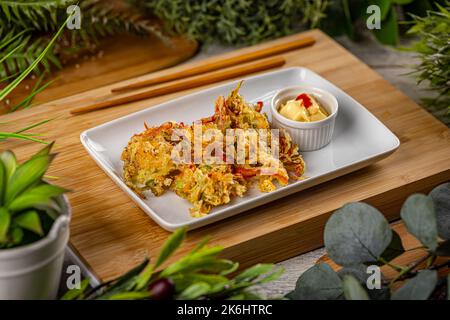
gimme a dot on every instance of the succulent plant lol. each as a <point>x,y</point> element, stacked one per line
<point>28,203</point>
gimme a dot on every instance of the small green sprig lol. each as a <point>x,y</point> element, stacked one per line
<point>200,274</point>
<point>37,88</point>
<point>22,134</point>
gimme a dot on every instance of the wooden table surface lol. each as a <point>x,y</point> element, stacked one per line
<point>112,234</point>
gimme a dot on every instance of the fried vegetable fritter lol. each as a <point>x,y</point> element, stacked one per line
<point>148,162</point>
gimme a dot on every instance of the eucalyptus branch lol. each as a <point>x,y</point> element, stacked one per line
<point>430,261</point>
<point>410,268</point>
<point>396,267</point>
<point>356,233</point>
<point>415,248</point>
<point>412,274</point>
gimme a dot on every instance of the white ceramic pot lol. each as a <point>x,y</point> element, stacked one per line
<point>33,271</point>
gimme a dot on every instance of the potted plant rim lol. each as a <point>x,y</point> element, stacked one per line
<point>34,228</point>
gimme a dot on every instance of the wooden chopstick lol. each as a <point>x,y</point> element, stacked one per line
<point>224,63</point>
<point>185,84</point>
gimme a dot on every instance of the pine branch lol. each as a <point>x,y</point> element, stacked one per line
<point>20,50</point>
<point>101,20</point>
<point>106,18</point>
<point>40,15</point>
<point>26,24</point>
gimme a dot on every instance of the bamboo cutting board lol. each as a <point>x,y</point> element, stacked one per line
<point>112,234</point>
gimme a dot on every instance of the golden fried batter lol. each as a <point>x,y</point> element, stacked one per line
<point>147,160</point>
<point>148,163</point>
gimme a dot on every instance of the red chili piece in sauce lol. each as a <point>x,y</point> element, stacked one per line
<point>306,100</point>
<point>259,104</point>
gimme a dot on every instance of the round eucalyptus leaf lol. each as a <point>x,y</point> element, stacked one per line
<point>362,273</point>
<point>441,199</point>
<point>418,288</point>
<point>353,290</point>
<point>420,219</point>
<point>356,233</point>
<point>319,282</point>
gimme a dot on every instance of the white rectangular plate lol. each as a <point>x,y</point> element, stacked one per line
<point>359,139</point>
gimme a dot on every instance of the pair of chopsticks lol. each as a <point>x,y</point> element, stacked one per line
<point>201,75</point>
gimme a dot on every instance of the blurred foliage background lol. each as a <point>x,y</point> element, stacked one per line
<point>27,26</point>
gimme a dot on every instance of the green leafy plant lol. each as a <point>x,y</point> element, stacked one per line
<point>349,16</point>
<point>358,235</point>
<point>28,204</point>
<point>235,21</point>
<point>200,274</point>
<point>433,49</point>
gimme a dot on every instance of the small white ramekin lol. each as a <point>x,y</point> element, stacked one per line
<point>308,135</point>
